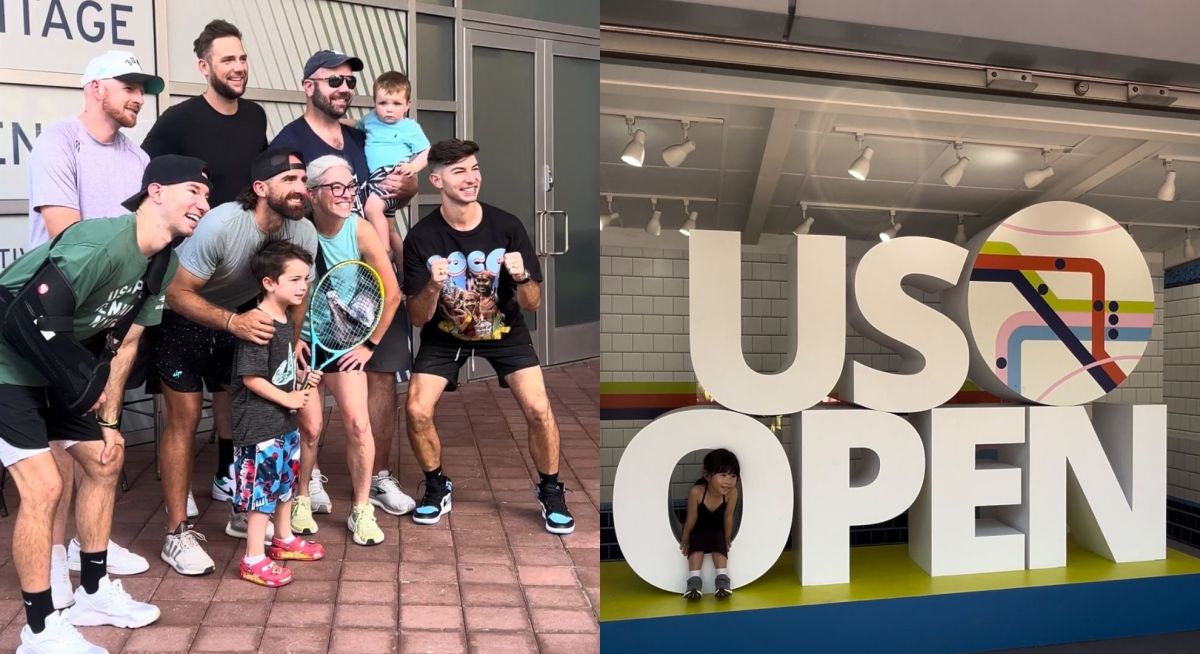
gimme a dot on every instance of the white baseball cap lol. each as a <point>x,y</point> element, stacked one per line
<point>122,65</point>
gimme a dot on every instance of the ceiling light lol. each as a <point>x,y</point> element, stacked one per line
<point>689,224</point>
<point>862,165</point>
<point>654,227</point>
<point>635,152</point>
<point>1036,176</point>
<point>806,223</point>
<point>890,233</point>
<point>674,155</point>
<point>1189,250</point>
<point>611,217</point>
<point>960,235</point>
<point>1166,192</point>
<point>953,175</point>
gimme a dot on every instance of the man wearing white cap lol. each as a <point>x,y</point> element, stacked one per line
<point>80,168</point>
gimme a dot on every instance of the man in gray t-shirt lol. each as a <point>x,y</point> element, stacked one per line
<point>208,310</point>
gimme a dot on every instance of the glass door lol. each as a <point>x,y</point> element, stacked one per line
<point>531,104</point>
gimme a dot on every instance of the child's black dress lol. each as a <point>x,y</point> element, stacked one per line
<point>708,535</point>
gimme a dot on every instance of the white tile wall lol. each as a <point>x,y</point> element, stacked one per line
<point>1181,390</point>
<point>643,338</point>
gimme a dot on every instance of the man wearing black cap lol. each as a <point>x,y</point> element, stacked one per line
<point>329,85</point>
<point>210,303</point>
<point>100,268</point>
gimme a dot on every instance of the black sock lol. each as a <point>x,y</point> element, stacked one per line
<point>224,456</point>
<point>548,480</point>
<point>92,568</point>
<point>434,477</point>
<point>37,607</point>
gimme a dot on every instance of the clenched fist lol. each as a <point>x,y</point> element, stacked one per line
<point>515,266</point>
<point>439,270</point>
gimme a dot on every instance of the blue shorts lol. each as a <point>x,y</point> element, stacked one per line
<point>266,473</point>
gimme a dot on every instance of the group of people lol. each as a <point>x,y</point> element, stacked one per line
<point>128,264</point>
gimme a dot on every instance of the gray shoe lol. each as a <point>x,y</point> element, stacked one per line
<point>723,587</point>
<point>693,591</point>
<point>236,527</point>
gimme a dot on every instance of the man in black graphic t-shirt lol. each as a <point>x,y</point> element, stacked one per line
<point>469,270</point>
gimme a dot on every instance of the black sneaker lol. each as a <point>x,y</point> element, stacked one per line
<point>723,587</point>
<point>554,508</point>
<point>434,504</point>
<point>693,591</point>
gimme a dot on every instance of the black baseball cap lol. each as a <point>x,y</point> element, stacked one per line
<point>272,161</point>
<point>330,59</point>
<point>169,169</point>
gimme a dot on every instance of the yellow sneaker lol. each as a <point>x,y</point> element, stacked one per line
<point>302,520</point>
<point>363,526</point>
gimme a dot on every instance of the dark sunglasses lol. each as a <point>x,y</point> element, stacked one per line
<point>335,81</point>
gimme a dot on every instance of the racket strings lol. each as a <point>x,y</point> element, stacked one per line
<point>346,306</point>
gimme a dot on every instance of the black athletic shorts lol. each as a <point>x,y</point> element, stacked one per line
<point>190,357</point>
<point>33,418</point>
<point>445,361</point>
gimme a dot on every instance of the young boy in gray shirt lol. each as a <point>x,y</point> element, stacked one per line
<point>265,394</point>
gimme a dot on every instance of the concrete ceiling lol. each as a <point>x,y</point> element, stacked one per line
<point>780,144</point>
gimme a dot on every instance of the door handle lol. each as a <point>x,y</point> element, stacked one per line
<point>546,235</point>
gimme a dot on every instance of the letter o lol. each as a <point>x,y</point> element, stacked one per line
<point>643,482</point>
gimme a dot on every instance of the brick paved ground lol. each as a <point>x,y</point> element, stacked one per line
<point>489,579</point>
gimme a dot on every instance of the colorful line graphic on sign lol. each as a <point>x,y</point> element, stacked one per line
<point>1060,305</point>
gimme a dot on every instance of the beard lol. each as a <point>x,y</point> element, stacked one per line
<point>325,104</point>
<point>117,113</point>
<point>279,204</point>
<point>224,90</point>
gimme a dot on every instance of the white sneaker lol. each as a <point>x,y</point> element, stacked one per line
<point>222,487</point>
<point>316,492</point>
<point>111,605</point>
<point>192,510</point>
<point>60,580</point>
<point>120,560</point>
<point>59,637</point>
<point>236,527</point>
<point>387,494</point>
<point>182,552</point>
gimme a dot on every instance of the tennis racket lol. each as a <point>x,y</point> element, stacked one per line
<point>344,310</point>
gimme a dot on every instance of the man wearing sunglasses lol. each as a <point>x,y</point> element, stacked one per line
<point>329,85</point>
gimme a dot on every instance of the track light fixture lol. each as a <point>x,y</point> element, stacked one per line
<point>953,175</point>
<point>654,227</point>
<point>1189,250</point>
<point>611,217</point>
<point>674,155</point>
<point>890,233</point>
<point>689,224</point>
<point>960,235</point>
<point>635,151</point>
<point>806,221</point>
<point>1036,176</point>
<point>1166,192</point>
<point>862,165</point>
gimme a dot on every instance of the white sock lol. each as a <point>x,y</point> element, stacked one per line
<point>288,540</point>
<point>693,573</point>
<point>253,560</point>
<point>723,571</point>
<point>58,554</point>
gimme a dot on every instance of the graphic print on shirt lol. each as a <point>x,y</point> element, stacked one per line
<point>117,304</point>
<point>468,302</point>
<point>285,374</point>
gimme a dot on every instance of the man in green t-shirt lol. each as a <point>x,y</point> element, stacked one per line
<point>103,261</point>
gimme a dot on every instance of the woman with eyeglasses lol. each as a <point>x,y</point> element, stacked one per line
<point>343,235</point>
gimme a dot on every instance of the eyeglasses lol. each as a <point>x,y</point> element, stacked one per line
<point>335,81</point>
<point>336,188</point>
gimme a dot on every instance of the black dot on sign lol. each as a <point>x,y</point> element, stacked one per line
<point>1113,319</point>
<point>1002,363</point>
<point>1112,334</point>
<point>1113,306</point>
<point>1043,289</point>
<point>1060,263</point>
<point>1098,305</point>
